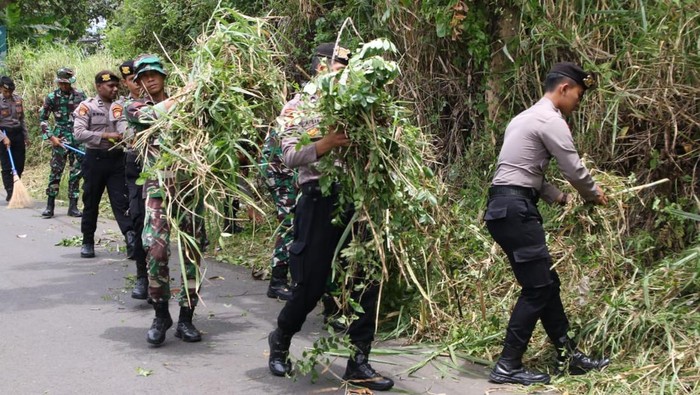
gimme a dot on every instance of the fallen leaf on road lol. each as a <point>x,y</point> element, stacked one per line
<point>143,372</point>
<point>217,278</point>
<point>21,236</point>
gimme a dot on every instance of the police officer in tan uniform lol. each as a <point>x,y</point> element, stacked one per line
<point>103,166</point>
<point>15,132</point>
<point>531,139</point>
<point>132,168</point>
<point>316,236</point>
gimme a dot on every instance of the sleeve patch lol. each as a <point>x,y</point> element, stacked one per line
<point>117,111</point>
<point>82,110</point>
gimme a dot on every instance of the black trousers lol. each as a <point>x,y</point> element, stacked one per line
<point>103,169</point>
<point>18,149</point>
<point>516,225</point>
<point>137,209</point>
<point>310,257</point>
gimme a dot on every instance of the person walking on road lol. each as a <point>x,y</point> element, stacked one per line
<point>150,75</point>
<point>103,165</point>
<point>316,236</point>
<point>531,139</point>
<point>61,103</point>
<point>15,131</point>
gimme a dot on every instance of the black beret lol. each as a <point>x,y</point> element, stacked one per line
<point>575,72</point>
<point>7,83</point>
<point>105,76</point>
<point>127,68</point>
<point>330,51</point>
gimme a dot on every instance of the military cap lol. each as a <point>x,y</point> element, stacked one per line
<point>575,72</point>
<point>105,76</point>
<point>331,51</point>
<point>148,62</point>
<point>127,68</point>
<point>64,74</point>
<point>7,83</point>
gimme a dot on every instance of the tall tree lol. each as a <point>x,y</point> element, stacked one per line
<point>46,20</point>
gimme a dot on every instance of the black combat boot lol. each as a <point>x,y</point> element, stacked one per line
<point>50,204</point>
<point>162,322</point>
<point>9,194</point>
<point>73,208</point>
<point>279,362</point>
<point>331,312</point>
<point>130,238</point>
<point>185,329</point>
<point>279,287</point>
<point>140,290</point>
<point>509,369</point>
<point>88,248</point>
<point>359,372</point>
<point>569,357</point>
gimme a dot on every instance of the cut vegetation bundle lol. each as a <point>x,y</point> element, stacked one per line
<point>385,174</point>
<point>235,89</point>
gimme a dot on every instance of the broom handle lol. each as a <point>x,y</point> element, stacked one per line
<point>73,149</point>
<point>12,161</point>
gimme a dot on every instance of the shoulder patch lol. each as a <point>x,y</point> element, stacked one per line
<point>82,110</point>
<point>117,111</point>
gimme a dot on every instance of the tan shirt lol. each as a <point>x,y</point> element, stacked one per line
<point>91,121</point>
<point>532,138</point>
<point>12,114</point>
<point>305,158</point>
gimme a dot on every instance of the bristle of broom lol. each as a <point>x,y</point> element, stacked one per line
<point>20,195</point>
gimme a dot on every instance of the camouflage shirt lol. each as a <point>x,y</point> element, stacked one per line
<point>272,148</point>
<point>61,105</point>
<point>140,115</point>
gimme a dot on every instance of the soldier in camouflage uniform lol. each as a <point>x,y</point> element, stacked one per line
<point>281,182</point>
<point>61,103</point>
<point>140,114</point>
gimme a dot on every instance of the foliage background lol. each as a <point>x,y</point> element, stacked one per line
<point>630,270</point>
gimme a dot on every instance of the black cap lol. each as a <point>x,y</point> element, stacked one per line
<point>105,76</point>
<point>330,51</point>
<point>127,68</point>
<point>7,83</point>
<point>575,72</point>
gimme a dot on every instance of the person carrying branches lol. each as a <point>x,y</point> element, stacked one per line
<point>316,236</point>
<point>142,114</point>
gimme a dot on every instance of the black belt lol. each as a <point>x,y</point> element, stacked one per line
<point>500,190</point>
<point>313,188</point>
<point>105,152</point>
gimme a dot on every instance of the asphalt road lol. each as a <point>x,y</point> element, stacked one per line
<point>69,326</point>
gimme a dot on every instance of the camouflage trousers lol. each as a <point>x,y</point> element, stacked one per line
<point>284,192</point>
<point>156,242</point>
<point>59,157</point>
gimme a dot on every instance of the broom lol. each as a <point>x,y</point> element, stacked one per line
<point>20,196</point>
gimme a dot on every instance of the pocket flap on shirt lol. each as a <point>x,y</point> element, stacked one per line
<point>495,213</point>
